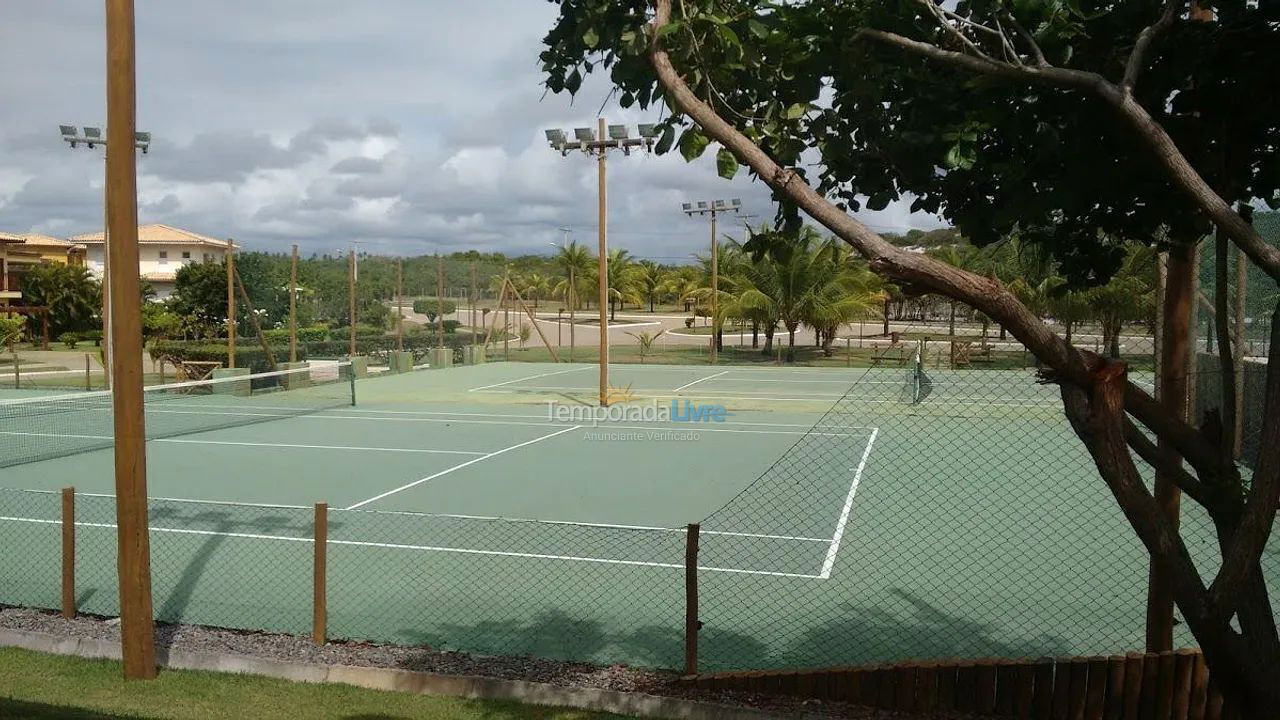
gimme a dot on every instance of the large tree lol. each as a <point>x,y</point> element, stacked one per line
<point>1055,117</point>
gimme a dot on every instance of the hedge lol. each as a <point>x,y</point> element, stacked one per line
<point>247,355</point>
<point>430,306</point>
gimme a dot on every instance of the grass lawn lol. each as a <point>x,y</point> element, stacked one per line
<point>44,687</point>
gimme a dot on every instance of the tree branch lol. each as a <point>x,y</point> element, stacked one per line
<point>1167,464</point>
<point>1155,137</point>
<point>1027,37</point>
<point>1264,493</point>
<point>1227,366</point>
<point>1138,57</point>
<point>985,294</point>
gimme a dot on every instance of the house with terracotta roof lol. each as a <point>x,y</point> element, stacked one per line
<point>162,249</point>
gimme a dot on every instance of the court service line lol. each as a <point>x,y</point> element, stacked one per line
<point>189,441</point>
<point>459,466</point>
<point>695,382</point>
<point>834,548</point>
<point>531,377</point>
<point>426,548</point>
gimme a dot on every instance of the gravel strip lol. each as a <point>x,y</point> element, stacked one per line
<point>295,648</point>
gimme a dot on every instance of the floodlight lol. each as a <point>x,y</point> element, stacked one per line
<point>736,202</point>
<point>648,131</point>
<point>702,205</point>
<point>687,207</point>
<point>142,140</point>
<point>67,130</point>
<point>618,132</point>
<point>718,204</point>
<point>584,134</point>
<point>556,137</point>
<point>92,132</point>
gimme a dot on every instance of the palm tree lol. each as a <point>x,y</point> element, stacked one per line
<point>965,257</point>
<point>812,282</point>
<point>534,285</point>
<point>649,278</point>
<point>1128,296</point>
<point>645,341</point>
<point>574,263</point>
<point>72,294</point>
<point>621,280</point>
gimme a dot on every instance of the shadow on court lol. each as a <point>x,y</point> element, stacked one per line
<point>42,711</point>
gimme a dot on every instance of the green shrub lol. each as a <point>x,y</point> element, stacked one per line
<point>313,333</point>
<point>69,339</point>
<point>429,307</point>
<point>248,356</point>
<point>93,336</point>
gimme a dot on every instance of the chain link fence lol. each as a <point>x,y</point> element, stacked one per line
<point>931,512</point>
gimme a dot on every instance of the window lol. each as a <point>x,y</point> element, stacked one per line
<point>208,257</point>
<point>186,254</point>
<point>164,257</point>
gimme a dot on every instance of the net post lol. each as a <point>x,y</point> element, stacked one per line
<point>691,600</point>
<point>68,552</point>
<point>319,603</point>
<point>88,380</point>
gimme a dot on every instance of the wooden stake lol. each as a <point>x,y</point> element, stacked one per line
<point>253,320</point>
<point>715,287</point>
<point>293,306</point>
<point>691,600</point>
<point>133,552</point>
<point>534,321</point>
<point>320,596</point>
<point>88,378</point>
<point>68,552</point>
<point>351,300</point>
<point>471,300</point>
<point>502,297</point>
<point>603,264</point>
<point>231,305</point>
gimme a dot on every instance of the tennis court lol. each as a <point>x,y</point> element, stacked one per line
<point>846,516</point>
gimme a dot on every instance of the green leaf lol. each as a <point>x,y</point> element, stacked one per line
<point>590,38</point>
<point>726,164</point>
<point>796,111</point>
<point>669,28</point>
<point>692,144</point>
<point>573,82</point>
<point>757,28</point>
<point>666,141</point>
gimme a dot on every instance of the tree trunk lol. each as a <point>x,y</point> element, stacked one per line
<point>651,297</point>
<point>886,317</point>
<point>1067,326</point>
<point>755,334</point>
<point>791,341</point>
<point>1175,355</point>
<point>768,340</point>
<point>1113,347</point>
<point>951,324</point>
<point>1004,333</point>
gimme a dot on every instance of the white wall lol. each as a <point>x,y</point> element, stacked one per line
<point>150,260</point>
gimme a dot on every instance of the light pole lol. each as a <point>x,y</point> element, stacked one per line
<point>91,138</point>
<point>713,208</point>
<point>598,143</point>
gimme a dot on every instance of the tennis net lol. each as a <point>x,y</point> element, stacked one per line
<point>50,426</point>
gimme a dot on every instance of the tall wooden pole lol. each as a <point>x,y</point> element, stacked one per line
<point>133,552</point>
<point>351,300</point>
<point>439,302</point>
<point>231,305</point>
<point>400,305</point>
<point>1242,293</point>
<point>293,307</point>
<point>573,303</point>
<point>603,269</point>
<point>106,272</point>
<point>471,297</point>
<point>715,287</point>
<point>1175,356</point>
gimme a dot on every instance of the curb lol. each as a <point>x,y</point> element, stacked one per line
<point>372,678</point>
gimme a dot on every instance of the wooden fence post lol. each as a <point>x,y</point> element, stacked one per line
<point>320,597</point>
<point>88,378</point>
<point>68,552</point>
<point>691,600</point>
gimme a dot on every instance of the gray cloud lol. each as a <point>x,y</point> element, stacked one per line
<point>322,122</point>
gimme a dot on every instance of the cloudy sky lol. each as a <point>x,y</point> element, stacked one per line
<point>409,125</point>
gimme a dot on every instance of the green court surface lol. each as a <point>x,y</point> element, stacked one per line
<point>842,520</point>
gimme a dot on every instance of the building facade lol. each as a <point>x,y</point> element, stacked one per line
<point>162,249</point>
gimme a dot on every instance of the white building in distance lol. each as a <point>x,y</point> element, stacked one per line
<point>161,251</point>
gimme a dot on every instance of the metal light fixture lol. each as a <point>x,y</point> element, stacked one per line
<point>584,134</point>
<point>648,131</point>
<point>618,132</point>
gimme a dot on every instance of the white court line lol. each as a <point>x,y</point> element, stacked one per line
<point>427,548</point>
<point>531,377</point>
<point>187,441</point>
<point>459,466</point>
<point>834,548</point>
<point>695,382</point>
<point>455,516</point>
